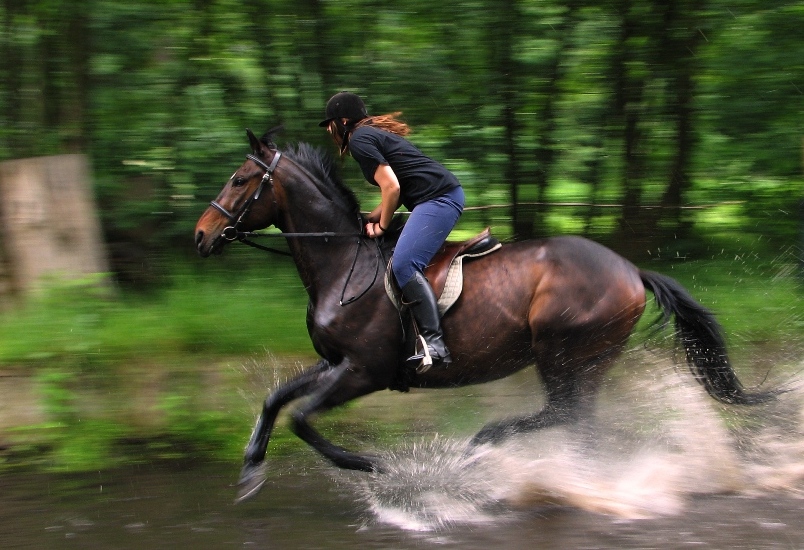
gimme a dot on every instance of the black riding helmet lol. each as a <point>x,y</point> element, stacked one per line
<point>344,105</point>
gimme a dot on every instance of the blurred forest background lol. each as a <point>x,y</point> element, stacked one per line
<point>648,109</point>
<point>670,130</point>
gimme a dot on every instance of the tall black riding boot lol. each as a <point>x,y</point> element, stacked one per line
<point>419,297</point>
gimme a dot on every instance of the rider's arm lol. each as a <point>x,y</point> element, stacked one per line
<point>389,191</point>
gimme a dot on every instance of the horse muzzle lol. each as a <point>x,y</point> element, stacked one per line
<point>207,247</point>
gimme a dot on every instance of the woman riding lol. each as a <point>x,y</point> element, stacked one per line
<point>405,176</point>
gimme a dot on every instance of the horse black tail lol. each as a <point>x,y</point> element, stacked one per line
<point>702,338</point>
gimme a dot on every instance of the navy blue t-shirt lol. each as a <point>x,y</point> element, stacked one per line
<point>420,177</point>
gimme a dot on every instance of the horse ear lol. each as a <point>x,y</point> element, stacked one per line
<point>256,147</point>
<point>268,136</point>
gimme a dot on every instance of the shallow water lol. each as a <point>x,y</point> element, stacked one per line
<point>660,466</point>
<point>306,508</point>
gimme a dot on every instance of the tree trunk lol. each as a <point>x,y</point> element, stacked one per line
<point>679,180</point>
<point>74,90</point>
<point>545,153</point>
<point>627,109</point>
<point>323,48</point>
<point>679,56</point>
<point>10,62</point>
<point>505,68</point>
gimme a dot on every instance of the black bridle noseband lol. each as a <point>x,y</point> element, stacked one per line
<point>233,233</point>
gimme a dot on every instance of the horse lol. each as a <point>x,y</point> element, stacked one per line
<point>565,304</point>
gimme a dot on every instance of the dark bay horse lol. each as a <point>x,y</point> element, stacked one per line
<point>566,305</point>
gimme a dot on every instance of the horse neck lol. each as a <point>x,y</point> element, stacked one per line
<point>309,210</point>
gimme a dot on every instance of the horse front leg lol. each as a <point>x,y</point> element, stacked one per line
<point>345,385</point>
<point>252,476</point>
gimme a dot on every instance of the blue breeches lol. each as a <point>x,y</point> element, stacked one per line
<point>424,233</point>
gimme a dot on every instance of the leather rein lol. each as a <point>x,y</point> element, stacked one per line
<point>232,232</point>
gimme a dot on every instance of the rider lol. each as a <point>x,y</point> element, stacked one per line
<point>431,193</point>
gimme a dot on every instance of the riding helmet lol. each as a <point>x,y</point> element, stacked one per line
<point>345,105</point>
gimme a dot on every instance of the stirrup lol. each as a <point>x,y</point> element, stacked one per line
<point>427,359</point>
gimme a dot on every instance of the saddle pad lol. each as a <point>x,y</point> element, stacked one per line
<point>452,288</point>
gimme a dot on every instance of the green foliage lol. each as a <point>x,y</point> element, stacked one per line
<point>88,349</point>
<point>522,97</point>
<point>195,313</point>
<point>80,435</point>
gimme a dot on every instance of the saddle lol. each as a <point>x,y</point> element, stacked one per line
<point>445,271</point>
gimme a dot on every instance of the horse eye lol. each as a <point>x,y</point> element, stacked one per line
<point>238,182</point>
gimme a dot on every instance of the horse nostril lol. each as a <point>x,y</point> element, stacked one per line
<point>199,236</point>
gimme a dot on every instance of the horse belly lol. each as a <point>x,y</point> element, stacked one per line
<point>491,358</point>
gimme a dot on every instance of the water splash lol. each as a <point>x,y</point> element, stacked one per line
<point>431,485</point>
<point>656,441</point>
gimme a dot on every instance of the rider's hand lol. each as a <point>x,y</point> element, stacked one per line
<point>374,230</point>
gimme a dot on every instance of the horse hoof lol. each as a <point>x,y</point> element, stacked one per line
<point>252,478</point>
<point>376,467</point>
<point>480,440</point>
<point>361,463</point>
<point>490,436</point>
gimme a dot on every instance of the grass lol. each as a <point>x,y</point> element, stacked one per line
<point>78,323</point>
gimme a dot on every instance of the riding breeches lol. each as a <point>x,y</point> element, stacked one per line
<point>424,233</point>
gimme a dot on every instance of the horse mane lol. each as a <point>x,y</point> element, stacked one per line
<point>322,167</point>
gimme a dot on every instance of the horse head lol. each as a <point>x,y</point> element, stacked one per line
<point>247,202</point>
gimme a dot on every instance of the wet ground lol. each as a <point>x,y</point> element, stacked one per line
<point>660,466</point>
<point>307,508</point>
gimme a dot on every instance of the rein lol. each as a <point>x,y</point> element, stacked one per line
<point>232,232</point>
<point>246,236</point>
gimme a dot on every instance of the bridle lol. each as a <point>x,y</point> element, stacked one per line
<point>233,233</point>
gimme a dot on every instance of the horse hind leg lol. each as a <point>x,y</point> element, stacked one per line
<point>571,391</point>
<point>495,432</point>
